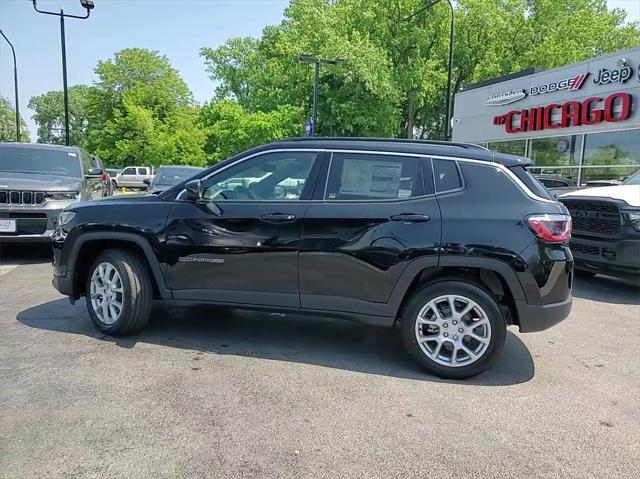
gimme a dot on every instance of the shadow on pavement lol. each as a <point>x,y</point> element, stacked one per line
<point>330,343</point>
<point>27,253</point>
<point>607,289</point>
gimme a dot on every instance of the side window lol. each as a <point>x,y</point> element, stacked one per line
<point>446,174</point>
<point>86,160</point>
<point>142,171</point>
<point>95,161</point>
<point>361,176</point>
<point>271,176</point>
<point>129,171</point>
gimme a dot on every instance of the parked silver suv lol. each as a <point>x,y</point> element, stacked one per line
<point>37,182</point>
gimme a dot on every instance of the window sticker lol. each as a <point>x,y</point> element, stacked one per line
<point>370,178</point>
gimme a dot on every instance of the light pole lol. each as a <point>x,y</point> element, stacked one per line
<point>88,5</point>
<point>15,80</point>
<point>447,120</point>
<point>317,61</point>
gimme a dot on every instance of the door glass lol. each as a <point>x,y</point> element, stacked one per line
<point>142,171</point>
<point>612,155</point>
<point>129,171</point>
<point>272,176</point>
<point>359,176</point>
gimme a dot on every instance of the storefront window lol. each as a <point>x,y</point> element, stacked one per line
<point>557,151</point>
<point>515,147</point>
<point>611,156</point>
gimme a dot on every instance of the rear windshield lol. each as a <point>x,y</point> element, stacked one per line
<point>530,181</point>
<point>39,161</point>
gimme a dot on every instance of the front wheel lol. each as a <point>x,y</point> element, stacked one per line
<point>119,292</point>
<point>453,329</point>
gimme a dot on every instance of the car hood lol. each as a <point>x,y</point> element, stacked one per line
<point>628,193</point>
<point>28,181</point>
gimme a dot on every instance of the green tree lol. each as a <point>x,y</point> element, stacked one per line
<point>231,129</point>
<point>142,112</point>
<point>395,80</point>
<point>49,116</point>
<point>8,123</point>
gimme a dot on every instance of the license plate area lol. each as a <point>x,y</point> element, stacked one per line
<point>7,226</point>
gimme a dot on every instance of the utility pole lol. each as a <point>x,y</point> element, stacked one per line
<point>316,80</point>
<point>15,81</point>
<point>88,5</point>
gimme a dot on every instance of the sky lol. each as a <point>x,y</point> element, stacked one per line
<point>176,28</point>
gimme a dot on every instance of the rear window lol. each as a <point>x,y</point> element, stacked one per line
<point>530,181</point>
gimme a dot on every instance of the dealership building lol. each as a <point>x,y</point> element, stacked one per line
<point>581,121</point>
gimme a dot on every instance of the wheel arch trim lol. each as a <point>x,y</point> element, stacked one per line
<point>154,265</point>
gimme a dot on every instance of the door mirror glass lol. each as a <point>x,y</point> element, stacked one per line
<point>94,171</point>
<point>193,190</point>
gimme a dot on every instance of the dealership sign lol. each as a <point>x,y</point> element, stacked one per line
<point>593,110</point>
<point>505,98</point>
<point>572,84</point>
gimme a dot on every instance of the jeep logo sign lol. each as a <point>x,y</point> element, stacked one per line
<point>613,76</point>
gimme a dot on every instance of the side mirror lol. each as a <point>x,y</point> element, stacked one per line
<point>147,181</point>
<point>94,171</point>
<point>194,190</point>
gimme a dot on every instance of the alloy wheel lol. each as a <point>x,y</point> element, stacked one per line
<point>453,330</point>
<point>106,293</point>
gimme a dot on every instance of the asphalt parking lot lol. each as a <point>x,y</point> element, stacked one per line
<point>205,392</point>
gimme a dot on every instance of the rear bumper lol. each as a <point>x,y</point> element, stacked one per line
<point>538,317</point>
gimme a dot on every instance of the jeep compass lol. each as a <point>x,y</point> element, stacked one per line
<point>450,242</point>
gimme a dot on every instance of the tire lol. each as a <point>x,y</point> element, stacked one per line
<point>135,296</point>
<point>485,312</point>
<point>114,185</point>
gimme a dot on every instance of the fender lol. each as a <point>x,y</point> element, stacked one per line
<point>154,264</point>
<point>412,271</point>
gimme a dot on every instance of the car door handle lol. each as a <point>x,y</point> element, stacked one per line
<point>278,218</point>
<point>410,218</point>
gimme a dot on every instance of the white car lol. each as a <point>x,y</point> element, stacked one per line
<point>133,177</point>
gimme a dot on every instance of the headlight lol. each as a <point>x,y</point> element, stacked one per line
<point>65,217</point>
<point>634,219</point>
<point>63,195</point>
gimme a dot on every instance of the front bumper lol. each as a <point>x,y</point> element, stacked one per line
<point>612,257</point>
<point>33,225</point>
<point>538,317</point>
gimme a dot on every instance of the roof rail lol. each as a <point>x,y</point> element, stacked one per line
<point>470,146</point>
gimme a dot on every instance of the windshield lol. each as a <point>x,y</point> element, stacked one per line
<point>173,176</point>
<point>40,161</point>
<point>633,179</point>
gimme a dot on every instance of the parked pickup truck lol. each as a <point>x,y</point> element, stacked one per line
<point>606,228</point>
<point>133,177</point>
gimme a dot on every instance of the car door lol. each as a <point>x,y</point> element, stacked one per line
<point>142,174</point>
<point>240,243</point>
<point>128,177</point>
<point>376,214</point>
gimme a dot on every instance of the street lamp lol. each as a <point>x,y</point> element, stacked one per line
<point>316,76</point>
<point>447,122</point>
<point>88,5</point>
<point>15,80</point>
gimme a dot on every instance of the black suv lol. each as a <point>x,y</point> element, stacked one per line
<point>451,241</point>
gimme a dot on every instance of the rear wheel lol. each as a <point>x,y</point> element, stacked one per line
<point>119,293</point>
<point>453,329</point>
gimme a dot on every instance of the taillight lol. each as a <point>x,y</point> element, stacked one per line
<point>551,228</point>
